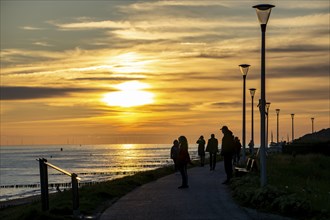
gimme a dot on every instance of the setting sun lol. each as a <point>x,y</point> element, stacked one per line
<point>130,94</point>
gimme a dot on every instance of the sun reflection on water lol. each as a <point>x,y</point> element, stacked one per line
<point>128,146</point>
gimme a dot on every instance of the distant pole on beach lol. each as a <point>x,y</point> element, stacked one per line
<point>244,70</point>
<point>292,117</point>
<point>263,13</point>
<point>278,124</point>
<point>312,125</point>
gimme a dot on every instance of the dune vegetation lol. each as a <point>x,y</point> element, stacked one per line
<point>297,186</point>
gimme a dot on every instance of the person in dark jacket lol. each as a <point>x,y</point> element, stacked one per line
<point>183,160</point>
<point>201,149</point>
<point>212,148</point>
<point>227,151</point>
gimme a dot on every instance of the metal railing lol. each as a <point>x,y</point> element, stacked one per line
<point>43,165</point>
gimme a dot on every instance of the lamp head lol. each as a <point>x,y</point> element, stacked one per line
<point>267,105</point>
<point>292,115</point>
<point>263,12</point>
<point>252,91</point>
<point>277,110</point>
<point>244,69</point>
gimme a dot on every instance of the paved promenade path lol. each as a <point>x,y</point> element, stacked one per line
<point>206,198</point>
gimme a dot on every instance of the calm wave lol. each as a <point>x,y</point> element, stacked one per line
<point>93,163</point>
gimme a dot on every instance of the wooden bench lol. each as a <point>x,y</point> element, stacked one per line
<point>251,165</point>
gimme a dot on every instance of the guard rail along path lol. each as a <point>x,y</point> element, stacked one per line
<point>43,165</point>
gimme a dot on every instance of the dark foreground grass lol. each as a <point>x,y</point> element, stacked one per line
<point>93,199</point>
<point>298,187</point>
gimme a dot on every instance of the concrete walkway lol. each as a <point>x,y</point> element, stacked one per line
<point>206,198</point>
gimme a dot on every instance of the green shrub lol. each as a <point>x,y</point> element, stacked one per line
<point>292,205</point>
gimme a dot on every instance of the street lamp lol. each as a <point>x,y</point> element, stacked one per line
<point>244,70</point>
<point>292,117</point>
<point>252,92</point>
<point>263,12</point>
<point>267,116</point>
<point>312,125</point>
<point>278,123</point>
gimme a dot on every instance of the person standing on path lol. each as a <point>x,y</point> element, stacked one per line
<point>201,149</point>
<point>212,148</point>
<point>174,154</point>
<point>183,160</point>
<point>237,148</point>
<point>227,151</point>
<point>251,147</point>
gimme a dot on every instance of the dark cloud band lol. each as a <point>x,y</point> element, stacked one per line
<point>24,93</point>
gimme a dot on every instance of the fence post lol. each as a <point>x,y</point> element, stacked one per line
<point>75,195</point>
<point>44,184</point>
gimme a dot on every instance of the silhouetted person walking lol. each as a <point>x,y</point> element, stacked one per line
<point>201,149</point>
<point>227,151</point>
<point>174,154</point>
<point>183,160</point>
<point>212,148</point>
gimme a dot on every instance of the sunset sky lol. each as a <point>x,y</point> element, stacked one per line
<point>89,72</point>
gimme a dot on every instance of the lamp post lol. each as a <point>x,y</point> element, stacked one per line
<point>244,70</point>
<point>263,12</point>
<point>252,92</point>
<point>292,117</point>
<point>312,125</point>
<point>267,116</point>
<point>278,123</point>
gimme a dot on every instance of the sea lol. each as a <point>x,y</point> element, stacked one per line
<point>20,174</point>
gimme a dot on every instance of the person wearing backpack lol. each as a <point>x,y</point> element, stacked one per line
<point>227,151</point>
